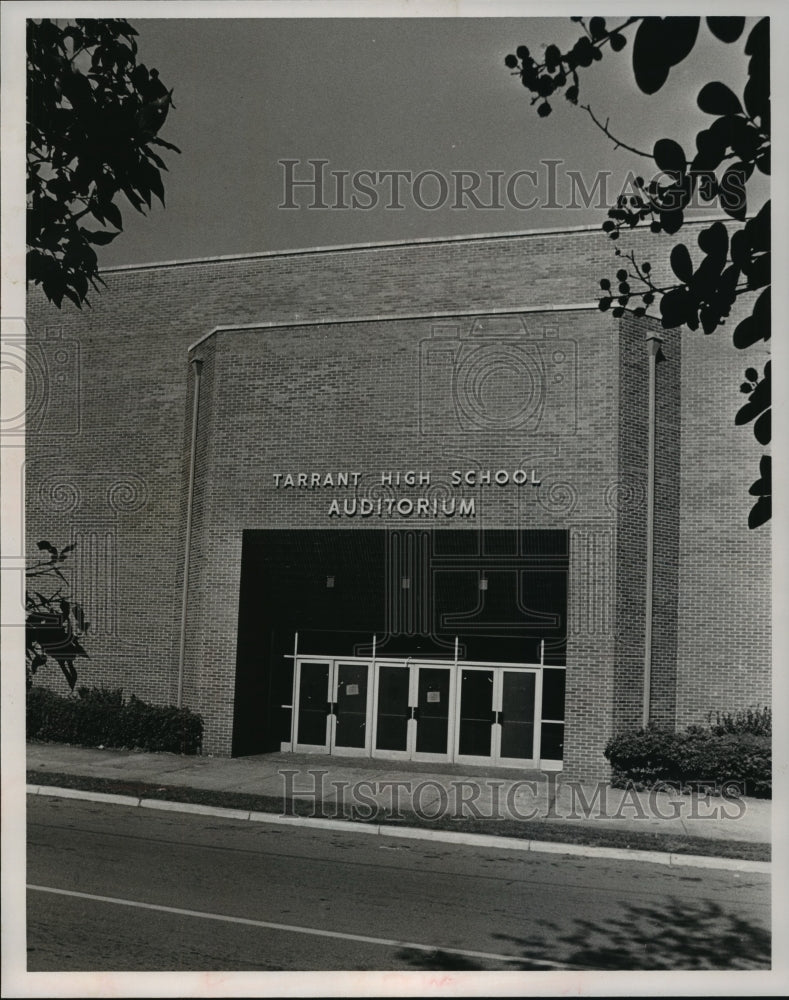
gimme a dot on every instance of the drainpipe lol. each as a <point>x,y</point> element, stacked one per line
<point>196,363</point>
<point>653,346</point>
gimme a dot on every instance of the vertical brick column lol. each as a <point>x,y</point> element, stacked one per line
<point>590,650</point>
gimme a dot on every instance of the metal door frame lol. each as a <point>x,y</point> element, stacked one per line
<point>498,670</point>
<point>410,739</point>
<point>413,665</point>
<point>416,666</point>
<point>330,746</point>
<point>294,725</point>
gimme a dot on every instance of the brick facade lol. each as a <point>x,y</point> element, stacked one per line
<point>320,362</point>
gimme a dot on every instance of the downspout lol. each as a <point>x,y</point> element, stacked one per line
<point>196,364</point>
<point>653,346</point>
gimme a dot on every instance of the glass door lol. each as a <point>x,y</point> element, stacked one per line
<point>350,731</point>
<point>413,711</point>
<point>392,711</point>
<point>475,715</point>
<point>518,733</point>
<point>433,712</point>
<point>429,711</point>
<point>312,705</point>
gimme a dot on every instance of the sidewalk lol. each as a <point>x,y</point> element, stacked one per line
<point>499,801</point>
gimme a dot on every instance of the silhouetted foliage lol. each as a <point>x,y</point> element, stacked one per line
<point>93,114</point>
<point>54,623</point>
<point>734,261</point>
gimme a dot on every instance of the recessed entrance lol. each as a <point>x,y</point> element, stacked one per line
<point>499,596</point>
<point>404,709</point>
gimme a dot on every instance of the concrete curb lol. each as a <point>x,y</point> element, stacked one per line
<point>414,833</point>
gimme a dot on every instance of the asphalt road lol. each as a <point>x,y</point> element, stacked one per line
<point>113,888</point>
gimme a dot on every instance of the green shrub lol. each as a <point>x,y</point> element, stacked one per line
<point>647,757</point>
<point>100,717</point>
<point>758,721</point>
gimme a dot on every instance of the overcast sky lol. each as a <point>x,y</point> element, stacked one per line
<point>395,94</point>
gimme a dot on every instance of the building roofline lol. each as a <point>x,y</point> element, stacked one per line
<point>388,318</point>
<point>345,247</point>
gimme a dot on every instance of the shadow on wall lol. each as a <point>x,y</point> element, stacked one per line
<point>677,935</point>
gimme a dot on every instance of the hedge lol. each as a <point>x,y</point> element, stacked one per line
<point>98,717</point>
<point>698,757</point>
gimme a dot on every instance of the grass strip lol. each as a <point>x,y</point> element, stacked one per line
<point>555,831</point>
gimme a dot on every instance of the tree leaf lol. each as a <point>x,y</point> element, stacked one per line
<point>758,403</point>
<point>746,333</point>
<point>717,99</point>
<point>758,270</point>
<point>762,428</point>
<point>726,29</point>
<point>714,240</point>
<point>113,215</point>
<point>669,156</point>
<point>758,41</point>
<point>675,307</point>
<point>761,512</point>
<point>661,43</point>
<point>672,220</point>
<point>650,67</point>
<point>757,229</point>
<point>157,141</point>
<point>597,27</point>
<point>762,312</point>
<point>680,35</point>
<point>732,193</point>
<point>681,264</point>
<point>98,237</point>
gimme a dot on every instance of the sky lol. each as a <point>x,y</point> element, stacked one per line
<point>412,94</point>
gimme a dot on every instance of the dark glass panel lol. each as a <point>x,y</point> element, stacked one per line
<point>433,700</point>
<point>313,699</point>
<point>351,708</point>
<point>553,694</point>
<point>392,712</point>
<point>476,706</point>
<point>517,716</point>
<point>552,741</point>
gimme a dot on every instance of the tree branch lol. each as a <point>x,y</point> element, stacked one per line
<point>617,142</point>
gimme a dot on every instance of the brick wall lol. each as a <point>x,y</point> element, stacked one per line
<point>347,397</point>
<point>724,640</point>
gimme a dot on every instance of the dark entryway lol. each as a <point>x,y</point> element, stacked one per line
<point>502,594</point>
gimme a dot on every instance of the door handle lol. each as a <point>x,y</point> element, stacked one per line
<point>331,708</point>
<point>415,712</point>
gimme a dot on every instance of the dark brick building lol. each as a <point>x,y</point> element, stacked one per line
<point>441,616</point>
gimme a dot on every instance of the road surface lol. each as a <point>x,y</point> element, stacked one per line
<point>114,888</point>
